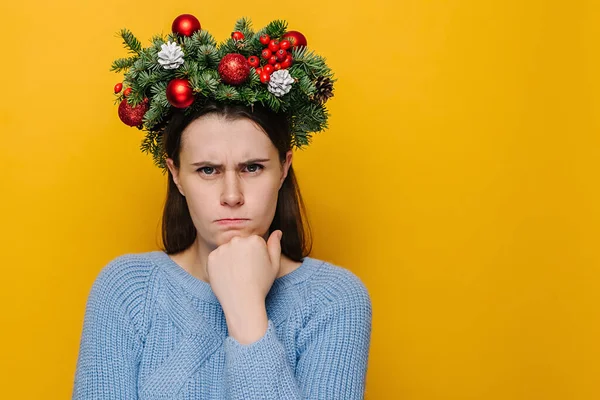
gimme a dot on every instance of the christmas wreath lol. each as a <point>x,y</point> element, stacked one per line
<point>273,67</point>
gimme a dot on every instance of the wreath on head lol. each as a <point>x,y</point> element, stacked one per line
<point>272,67</point>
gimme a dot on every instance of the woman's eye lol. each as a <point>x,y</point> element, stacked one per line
<point>206,170</point>
<point>254,167</point>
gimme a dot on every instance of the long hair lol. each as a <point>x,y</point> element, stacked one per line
<point>178,230</point>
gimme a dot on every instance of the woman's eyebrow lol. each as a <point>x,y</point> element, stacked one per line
<point>215,165</point>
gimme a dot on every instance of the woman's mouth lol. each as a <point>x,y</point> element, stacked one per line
<point>231,221</point>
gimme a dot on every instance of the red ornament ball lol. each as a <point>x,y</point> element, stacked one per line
<point>180,93</point>
<point>118,87</point>
<point>185,25</point>
<point>234,69</point>
<point>132,116</point>
<point>295,38</point>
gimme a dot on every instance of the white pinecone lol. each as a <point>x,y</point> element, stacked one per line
<point>171,55</point>
<point>280,82</point>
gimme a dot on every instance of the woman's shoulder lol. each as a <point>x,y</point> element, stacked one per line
<point>122,287</point>
<point>332,283</point>
<point>126,268</point>
<point>124,281</point>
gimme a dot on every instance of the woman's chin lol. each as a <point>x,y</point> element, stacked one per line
<point>225,236</point>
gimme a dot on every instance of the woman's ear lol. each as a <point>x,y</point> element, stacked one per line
<point>175,173</point>
<point>286,166</point>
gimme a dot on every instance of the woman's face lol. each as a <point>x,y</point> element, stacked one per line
<point>229,169</point>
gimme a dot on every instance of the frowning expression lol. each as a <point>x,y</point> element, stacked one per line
<point>230,174</point>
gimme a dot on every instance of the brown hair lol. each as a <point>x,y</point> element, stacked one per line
<point>178,230</point>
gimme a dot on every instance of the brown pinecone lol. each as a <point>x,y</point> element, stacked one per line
<point>324,89</point>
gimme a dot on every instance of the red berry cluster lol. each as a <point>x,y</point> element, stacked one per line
<point>275,56</point>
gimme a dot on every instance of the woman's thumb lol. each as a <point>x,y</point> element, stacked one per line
<point>274,248</point>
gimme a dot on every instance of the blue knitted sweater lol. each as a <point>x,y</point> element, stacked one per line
<point>153,331</point>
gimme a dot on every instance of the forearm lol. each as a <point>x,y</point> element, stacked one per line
<point>247,324</point>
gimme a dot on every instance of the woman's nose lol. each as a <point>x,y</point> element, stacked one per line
<point>231,193</point>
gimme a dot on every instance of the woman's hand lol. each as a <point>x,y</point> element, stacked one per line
<point>241,273</point>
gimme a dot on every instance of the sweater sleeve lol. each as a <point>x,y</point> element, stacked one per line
<point>332,354</point>
<point>110,345</point>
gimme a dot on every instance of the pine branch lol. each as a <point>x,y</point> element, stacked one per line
<point>205,38</point>
<point>157,41</point>
<point>310,117</point>
<point>248,95</point>
<point>254,80</point>
<point>268,99</point>
<point>150,143</point>
<point>135,69</point>
<point>204,83</point>
<point>154,115</point>
<point>121,64</point>
<point>300,139</point>
<point>153,144</point>
<point>175,38</point>
<point>254,45</point>
<point>149,78</point>
<point>226,47</point>
<point>226,92</point>
<point>244,25</point>
<point>136,96</point>
<point>190,45</point>
<point>118,98</point>
<point>284,105</point>
<point>297,97</point>
<point>276,29</point>
<point>129,40</point>
<point>235,46</point>
<point>306,85</point>
<point>159,87</point>
<point>189,68</point>
<point>207,56</point>
<point>312,63</point>
<point>207,83</point>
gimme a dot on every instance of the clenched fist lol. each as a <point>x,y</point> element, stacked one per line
<point>241,273</point>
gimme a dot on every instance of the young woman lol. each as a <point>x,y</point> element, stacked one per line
<point>232,307</point>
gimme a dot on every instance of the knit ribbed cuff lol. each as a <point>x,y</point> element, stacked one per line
<point>259,369</point>
<point>263,347</point>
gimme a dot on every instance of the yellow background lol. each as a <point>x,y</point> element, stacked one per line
<point>458,179</point>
